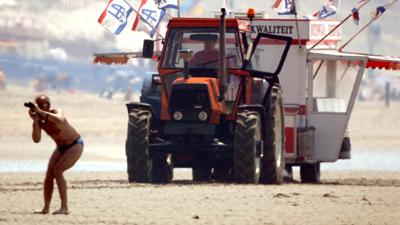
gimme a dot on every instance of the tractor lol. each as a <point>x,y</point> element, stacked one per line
<point>219,114</point>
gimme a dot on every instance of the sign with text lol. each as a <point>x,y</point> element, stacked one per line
<point>309,30</point>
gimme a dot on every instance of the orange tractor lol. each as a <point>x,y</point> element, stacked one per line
<point>212,107</point>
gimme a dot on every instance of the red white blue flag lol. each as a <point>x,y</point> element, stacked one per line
<point>287,8</point>
<point>115,17</point>
<point>150,17</point>
<point>329,10</point>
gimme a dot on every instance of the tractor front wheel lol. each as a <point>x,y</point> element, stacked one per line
<point>137,146</point>
<point>222,174</point>
<point>162,168</point>
<point>246,162</point>
<point>201,169</point>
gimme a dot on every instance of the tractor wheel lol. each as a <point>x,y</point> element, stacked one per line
<point>162,168</point>
<point>345,150</point>
<point>246,163</point>
<point>273,159</point>
<point>137,146</point>
<point>222,174</point>
<point>310,173</point>
<point>288,174</point>
<point>201,170</point>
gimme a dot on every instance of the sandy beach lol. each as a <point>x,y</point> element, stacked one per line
<point>102,195</point>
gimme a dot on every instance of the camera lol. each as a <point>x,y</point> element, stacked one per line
<point>29,105</point>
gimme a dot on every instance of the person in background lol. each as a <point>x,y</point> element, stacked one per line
<point>69,147</point>
<point>2,79</point>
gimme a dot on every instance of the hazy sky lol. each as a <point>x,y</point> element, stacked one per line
<point>69,29</point>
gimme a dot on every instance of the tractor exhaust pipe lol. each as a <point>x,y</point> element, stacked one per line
<point>222,57</point>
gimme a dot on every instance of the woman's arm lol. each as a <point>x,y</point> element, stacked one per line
<point>36,130</point>
<point>55,116</point>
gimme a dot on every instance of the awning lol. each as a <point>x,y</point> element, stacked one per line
<point>372,61</point>
<point>336,55</point>
<point>383,62</point>
<point>119,58</point>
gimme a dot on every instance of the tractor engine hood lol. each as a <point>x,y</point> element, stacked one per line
<point>195,100</point>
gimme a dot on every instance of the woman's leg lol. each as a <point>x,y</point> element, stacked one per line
<point>49,181</point>
<point>67,160</point>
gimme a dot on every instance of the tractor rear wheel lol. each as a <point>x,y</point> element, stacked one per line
<point>246,163</point>
<point>137,146</point>
<point>273,158</point>
<point>310,173</point>
<point>162,168</point>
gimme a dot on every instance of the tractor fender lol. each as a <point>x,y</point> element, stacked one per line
<point>261,111</point>
<point>138,105</point>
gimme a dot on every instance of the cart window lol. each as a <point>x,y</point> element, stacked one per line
<point>333,84</point>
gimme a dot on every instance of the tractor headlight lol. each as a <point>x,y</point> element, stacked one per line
<point>178,115</point>
<point>203,116</point>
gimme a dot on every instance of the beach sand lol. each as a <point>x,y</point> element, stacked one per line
<point>343,197</point>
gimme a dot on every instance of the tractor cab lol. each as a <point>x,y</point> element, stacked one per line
<point>202,44</point>
<point>196,43</point>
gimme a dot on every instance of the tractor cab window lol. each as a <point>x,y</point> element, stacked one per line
<point>333,84</point>
<point>204,43</point>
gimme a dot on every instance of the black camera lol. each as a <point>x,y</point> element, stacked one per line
<point>29,105</point>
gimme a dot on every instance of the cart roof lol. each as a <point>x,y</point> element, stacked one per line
<point>372,61</point>
<point>336,55</point>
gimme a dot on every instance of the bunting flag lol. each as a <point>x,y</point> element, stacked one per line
<point>115,17</point>
<point>354,12</point>
<point>151,15</point>
<point>380,10</point>
<point>329,10</point>
<point>288,8</point>
<point>355,15</point>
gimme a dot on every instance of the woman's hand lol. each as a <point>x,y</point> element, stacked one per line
<point>33,114</point>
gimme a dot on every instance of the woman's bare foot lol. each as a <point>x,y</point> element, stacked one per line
<point>43,211</point>
<point>61,211</point>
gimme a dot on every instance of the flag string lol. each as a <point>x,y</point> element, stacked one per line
<point>361,4</point>
<point>377,16</point>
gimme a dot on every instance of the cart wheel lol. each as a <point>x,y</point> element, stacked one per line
<point>310,173</point>
<point>345,150</point>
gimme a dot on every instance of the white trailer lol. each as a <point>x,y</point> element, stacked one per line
<point>320,87</point>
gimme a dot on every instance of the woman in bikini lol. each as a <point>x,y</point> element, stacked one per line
<point>68,151</point>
